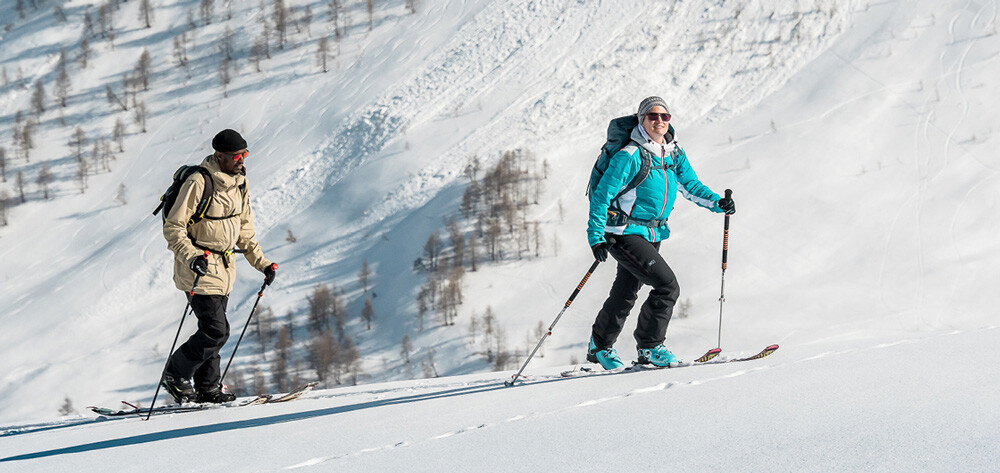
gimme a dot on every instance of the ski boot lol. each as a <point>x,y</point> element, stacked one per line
<point>215,396</point>
<point>608,357</point>
<point>180,389</point>
<point>657,356</point>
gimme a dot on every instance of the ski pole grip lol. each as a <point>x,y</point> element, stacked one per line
<point>725,235</point>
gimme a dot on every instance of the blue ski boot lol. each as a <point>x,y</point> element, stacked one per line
<point>608,357</point>
<point>658,356</point>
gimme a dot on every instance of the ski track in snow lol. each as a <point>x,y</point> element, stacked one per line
<point>774,362</point>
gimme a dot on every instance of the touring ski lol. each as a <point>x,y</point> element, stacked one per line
<point>707,359</point>
<point>189,407</point>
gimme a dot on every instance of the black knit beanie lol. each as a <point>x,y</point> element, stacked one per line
<point>228,141</point>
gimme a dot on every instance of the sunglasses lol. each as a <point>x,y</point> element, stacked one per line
<point>663,117</point>
<point>243,155</point>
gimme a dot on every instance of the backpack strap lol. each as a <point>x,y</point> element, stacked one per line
<point>207,195</point>
<point>243,192</point>
<point>616,216</point>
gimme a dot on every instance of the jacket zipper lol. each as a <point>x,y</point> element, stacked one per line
<point>666,180</point>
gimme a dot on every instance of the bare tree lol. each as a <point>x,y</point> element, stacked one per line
<point>63,83</point>
<point>180,53</point>
<point>144,69</point>
<point>368,312</point>
<point>432,249</point>
<point>281,22</point>
<point>85,51</point>
<point>67,408</point>
<point>323,354</point>
<point>320,307</point>
<point>323,53</point>
<point>19,184</point>
<point>44,179</point>
<point>370,6</point>
<point>3,164</point>
<point>457,240</point>
<point>226,44</point>
<point>77,141</point>
<point>118,134</point>
<point>335,16</point>
<point>141,114</point>
<point>205,9</point>
<point>81,174</point>
<point>113,98</point>
<point>473,244</point>
<point>365,275</point>
<point>224,76</point>
<point>307,17</point>
<point>26,139</point>
<point>105,21</point>
<point>406,348</point>
<point>121,196</point>
<point>263,325</point>
<point>38,98</point>
<point>60,14</point>
<point>422,306</point>
<point>4,198</point>
<point>146,13</point>
<point>88,24</point>
<point>430,366</point>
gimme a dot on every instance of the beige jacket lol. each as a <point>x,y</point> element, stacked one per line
<point>217,235</point>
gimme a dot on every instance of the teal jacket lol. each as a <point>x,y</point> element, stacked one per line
<point>654,198</point>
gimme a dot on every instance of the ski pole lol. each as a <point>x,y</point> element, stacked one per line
<point>174,345</point>
<point>548,332</point>
<point>725,255</point>
<point>260,294</point>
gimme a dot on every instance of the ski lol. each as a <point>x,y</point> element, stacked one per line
<point>295,394</point>
<point>190,407</point>
<point>707,359</point>
<point>174,408</point>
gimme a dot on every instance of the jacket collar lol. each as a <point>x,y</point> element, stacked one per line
<point>222,180</point>
<point>639,136</point>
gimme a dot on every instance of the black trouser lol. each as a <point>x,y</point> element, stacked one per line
<point>639,262</point>
<point>199,356</point>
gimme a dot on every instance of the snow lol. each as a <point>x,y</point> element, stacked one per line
<point>857,136</point>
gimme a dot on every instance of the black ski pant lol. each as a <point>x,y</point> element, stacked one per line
<point>639,262</point>
<point>198,357</point>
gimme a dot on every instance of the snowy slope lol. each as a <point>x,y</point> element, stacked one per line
<point>833,407</point>
<point>858,141</point>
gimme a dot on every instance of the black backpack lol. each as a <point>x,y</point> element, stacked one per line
<point>170,196</point>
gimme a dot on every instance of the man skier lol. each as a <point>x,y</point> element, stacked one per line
<point>227,225</point>
<point>634,240</point>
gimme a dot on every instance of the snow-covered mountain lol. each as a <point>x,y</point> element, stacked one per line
<point>857,137</point>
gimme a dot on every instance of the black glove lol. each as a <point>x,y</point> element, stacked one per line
<point>600,251</point>
<point>727,205</point>
<point>269,273</point>
<point>199,265</point>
